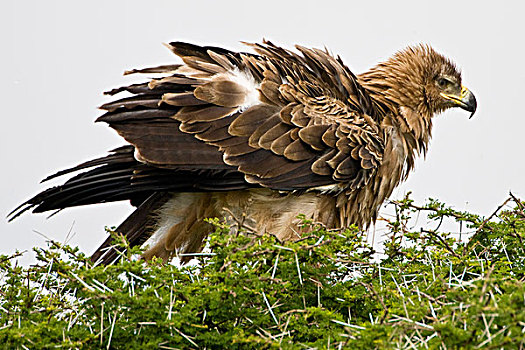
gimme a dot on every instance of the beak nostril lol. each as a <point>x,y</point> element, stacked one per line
<point>464,91</point>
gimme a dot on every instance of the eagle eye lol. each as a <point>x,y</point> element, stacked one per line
<point>442,82</point>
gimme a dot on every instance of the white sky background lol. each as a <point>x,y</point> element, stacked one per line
<point>57,57</point>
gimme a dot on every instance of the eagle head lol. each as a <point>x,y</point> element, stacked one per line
<point>422,79</point>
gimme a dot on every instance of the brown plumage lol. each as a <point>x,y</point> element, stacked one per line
<point>263,137</point>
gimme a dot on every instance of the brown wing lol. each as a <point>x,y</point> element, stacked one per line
<point>285,121</point>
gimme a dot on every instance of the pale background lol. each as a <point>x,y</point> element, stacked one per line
<point>57,57</point>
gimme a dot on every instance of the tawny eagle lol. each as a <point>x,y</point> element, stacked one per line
<point>263,137</point>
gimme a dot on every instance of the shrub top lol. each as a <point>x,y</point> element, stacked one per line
<point>327,290</point>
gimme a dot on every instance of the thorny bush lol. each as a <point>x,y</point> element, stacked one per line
<point>328,290</point>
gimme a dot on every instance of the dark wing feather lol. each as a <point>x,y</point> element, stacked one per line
<point>314,124</point>
<point>190,130</point>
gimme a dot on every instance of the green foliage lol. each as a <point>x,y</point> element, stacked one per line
<point>327,290</point>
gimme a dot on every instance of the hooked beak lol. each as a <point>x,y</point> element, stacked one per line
<point>465,100</point>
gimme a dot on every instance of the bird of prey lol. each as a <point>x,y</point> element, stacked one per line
<point>260,137</point>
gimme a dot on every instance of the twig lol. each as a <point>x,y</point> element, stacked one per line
<point>449,248</point>
<point>15,255</point>
<point>348,324</point>
<point>186,337</point>
<point>378,297</point>
<point>270,308</point>
<point>492,215</point>
<point>484,223</point>
<point>240,222</point>
<point>518,203</point>
<point>485,284</point>
<point>112,328</point>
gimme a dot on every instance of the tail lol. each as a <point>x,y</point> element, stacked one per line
<point>108,180</point>
<point>137,228</point>
<point>119,176</point>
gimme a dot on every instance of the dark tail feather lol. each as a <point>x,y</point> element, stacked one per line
<point>108,181</point>
<point>119,176</point>
<point>137,228</point>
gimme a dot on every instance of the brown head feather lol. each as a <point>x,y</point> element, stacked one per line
<point>409,79</point>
